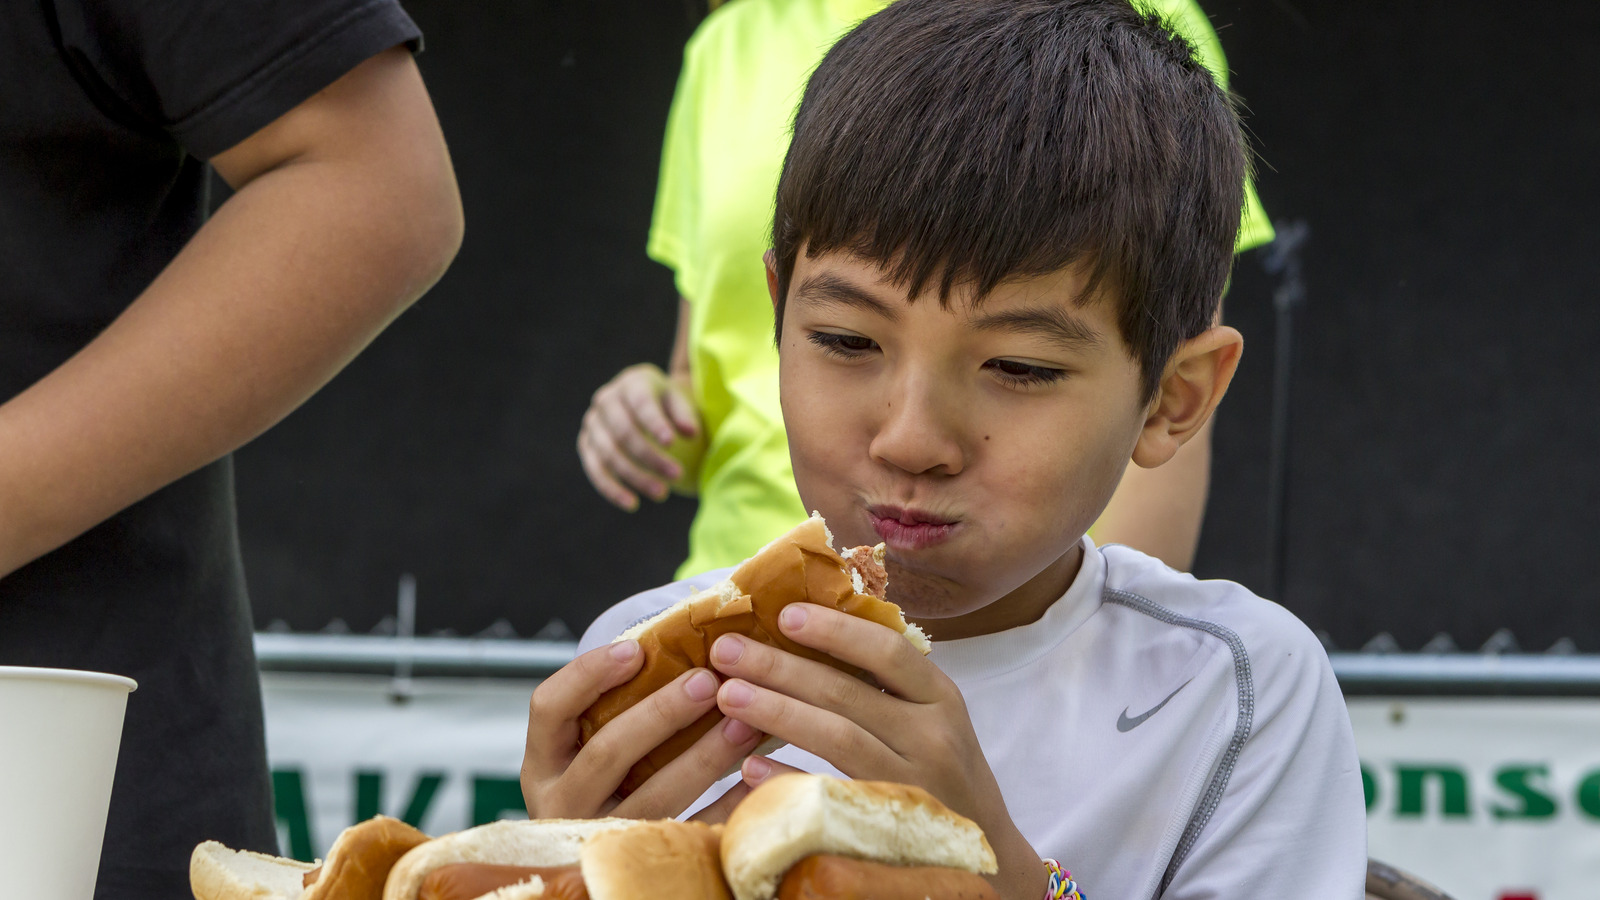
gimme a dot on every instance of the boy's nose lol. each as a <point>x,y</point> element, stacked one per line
<point>918,433</point>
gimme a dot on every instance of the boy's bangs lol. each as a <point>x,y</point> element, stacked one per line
<point>952,210</point>
<point>975,141</point>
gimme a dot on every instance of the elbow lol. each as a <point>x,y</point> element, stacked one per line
<point>446,242</point>
<point>410,215</point>
<point>438,225</point>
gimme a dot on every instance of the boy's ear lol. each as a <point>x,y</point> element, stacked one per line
<point>1191,387</point>
<point>771,259</point>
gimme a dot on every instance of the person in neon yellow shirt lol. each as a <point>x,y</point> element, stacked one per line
<point>711,424</point>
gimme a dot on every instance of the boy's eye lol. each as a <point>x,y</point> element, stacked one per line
<point>1024,374</point>
<point>845,345</point>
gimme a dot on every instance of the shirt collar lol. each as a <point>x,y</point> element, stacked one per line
<point>989,654</point>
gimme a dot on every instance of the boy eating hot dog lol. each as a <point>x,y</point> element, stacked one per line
<point>1000,238</point>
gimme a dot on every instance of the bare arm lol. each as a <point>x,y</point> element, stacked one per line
<point>1160,510</point>
<point>346,211</point>
<point>678,366</point>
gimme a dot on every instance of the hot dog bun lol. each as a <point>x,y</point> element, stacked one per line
<point>799,566</point>
<point>357,864</point>
<point>360,859</point>
<point>219,873</point>
<point>662,860</point>
<point>540,842</point>
<point>791,817</point>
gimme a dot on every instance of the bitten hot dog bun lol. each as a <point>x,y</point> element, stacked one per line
<point>799,566</point>
<point>538,843</point>
<point>357,865</point>
<point>661,860</point>
<point>813,836</point>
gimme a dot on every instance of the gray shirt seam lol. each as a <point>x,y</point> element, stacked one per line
<point>1241,732</point>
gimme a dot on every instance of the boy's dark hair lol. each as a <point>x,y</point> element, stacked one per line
<point>976,141</point>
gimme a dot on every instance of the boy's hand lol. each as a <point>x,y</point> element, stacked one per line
<point>916,730</point>
<point>640,430</point>
<point>562,780</point>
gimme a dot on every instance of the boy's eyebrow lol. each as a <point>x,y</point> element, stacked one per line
<point>831,290</point>
<point>1054,325</point>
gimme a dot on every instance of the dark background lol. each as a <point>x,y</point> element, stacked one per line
<point>1442,418</point>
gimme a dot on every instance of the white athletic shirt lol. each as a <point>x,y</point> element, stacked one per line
<point>1161,736</point>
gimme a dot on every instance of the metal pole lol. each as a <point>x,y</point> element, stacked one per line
<point>405,638</point>
<point>1282,258</point>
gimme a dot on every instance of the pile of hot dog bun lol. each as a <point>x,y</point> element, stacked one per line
<point>795,836</point>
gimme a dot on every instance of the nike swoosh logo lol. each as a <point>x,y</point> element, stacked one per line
<point>1125,724</point>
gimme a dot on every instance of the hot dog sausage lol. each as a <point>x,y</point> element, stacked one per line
<point>841,878</point>
<point>468,881</point>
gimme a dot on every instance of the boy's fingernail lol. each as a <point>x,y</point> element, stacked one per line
<point>727,650</point>
<point>756,769</point>
<point>737,693</point>
<point>793,616</point>
<point>700,686</point>
<point>737,732</point>
<point>624,651</point>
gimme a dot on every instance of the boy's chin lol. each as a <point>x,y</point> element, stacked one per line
<point>921,596</point>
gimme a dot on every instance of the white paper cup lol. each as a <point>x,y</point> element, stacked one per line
<point>59,734</point>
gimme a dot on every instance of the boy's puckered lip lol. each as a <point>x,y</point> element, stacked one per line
<point>910,529</point>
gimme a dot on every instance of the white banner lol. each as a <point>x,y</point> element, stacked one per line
<point>1490,799</point>
<point>344,748</point>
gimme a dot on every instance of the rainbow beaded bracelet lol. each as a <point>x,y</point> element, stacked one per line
<point>1062,887</point>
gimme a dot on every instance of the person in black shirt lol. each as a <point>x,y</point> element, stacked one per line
<point>140,344</point>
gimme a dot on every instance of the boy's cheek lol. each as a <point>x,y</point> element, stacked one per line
<point>822,478</point>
